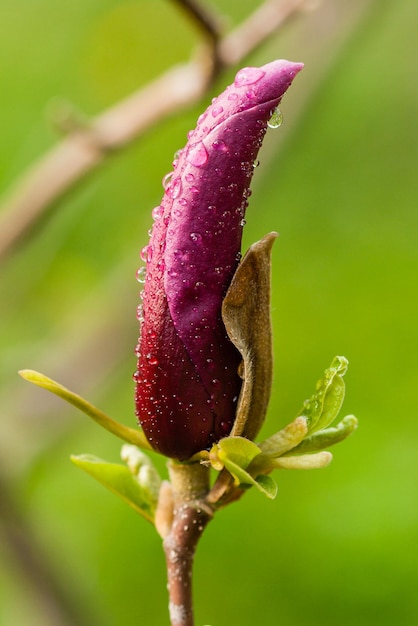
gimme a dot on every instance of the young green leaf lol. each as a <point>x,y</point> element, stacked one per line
<point>118,479</point>
<point>324,405</point>
<point>326,437</point>
<point>286,439</point>
<point>305,462</point>
<point>236,454</point>
<point>131,435</point>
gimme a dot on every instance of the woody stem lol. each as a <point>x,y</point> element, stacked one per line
<point>190,484</point>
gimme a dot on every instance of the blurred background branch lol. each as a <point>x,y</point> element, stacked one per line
<point>89,143</point>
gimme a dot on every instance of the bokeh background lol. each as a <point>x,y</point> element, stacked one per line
<point>339,182</point>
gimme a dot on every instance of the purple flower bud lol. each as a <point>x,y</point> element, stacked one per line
<point>187,383</point>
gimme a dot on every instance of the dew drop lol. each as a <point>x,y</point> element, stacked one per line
<point>157,212</point>
<point>256,163</point>
<point>251,94</point>
<point>196,237</point>
<point>189,177</point>
<point>177,155</point>
<point>225,426</point>
<point>182,201</point>
<point>233,96</point>
<point>219,145</point>
<point>139,313</point>
<point>276,119</point>
<point>167,180</point>
<point>175,188</point>
<point>152,360</point>
<point>194,189</point>
<point>248,76</point>
<point>198,155</point>
<point>243,222</point>
<point>143,254</point>
<point>217,111</point>
<point>140,274</point>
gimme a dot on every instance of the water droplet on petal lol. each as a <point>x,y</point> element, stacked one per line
<point>157,212</point>
<point>152,360</point>
<point>167,179</point>
<point>198,155</point>
<point>248,76</point>
<point>182,201</point>
<point>276,119</point>
<point>217,111</point>
<point>177,155</point>
<point>196,237</point>
<point>175,188</point>
<point>219,145</point>
<point>140,313</point>
<point>140,274</point>
<point>189,177</point>
<point>251,94</point>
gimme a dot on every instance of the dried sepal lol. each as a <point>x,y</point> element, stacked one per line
<point>246,315</point>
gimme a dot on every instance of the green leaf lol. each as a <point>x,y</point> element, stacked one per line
<point>131,435</point>
<point>304,462</point>
<point>324,405</point>
<point>237,449</point>
<point>265,484</point>
<point>236,454</point>
<point>286,439</point>
<point>118,479</point>
<point>326,438</point>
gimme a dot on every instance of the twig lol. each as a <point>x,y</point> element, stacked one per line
<point>208,22</point>
<point>190,485</point>
<point>65,165</point>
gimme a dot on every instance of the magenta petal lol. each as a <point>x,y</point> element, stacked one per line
<point>187,381</point>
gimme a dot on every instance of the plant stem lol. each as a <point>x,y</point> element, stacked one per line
<point>190,484</point>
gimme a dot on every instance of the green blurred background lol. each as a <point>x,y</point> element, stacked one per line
<point>339,183</point>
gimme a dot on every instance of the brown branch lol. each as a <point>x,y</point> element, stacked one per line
<point>57,172</point>
<point>191,514</point>
<point>256,29</point>
<point>208,22</point>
